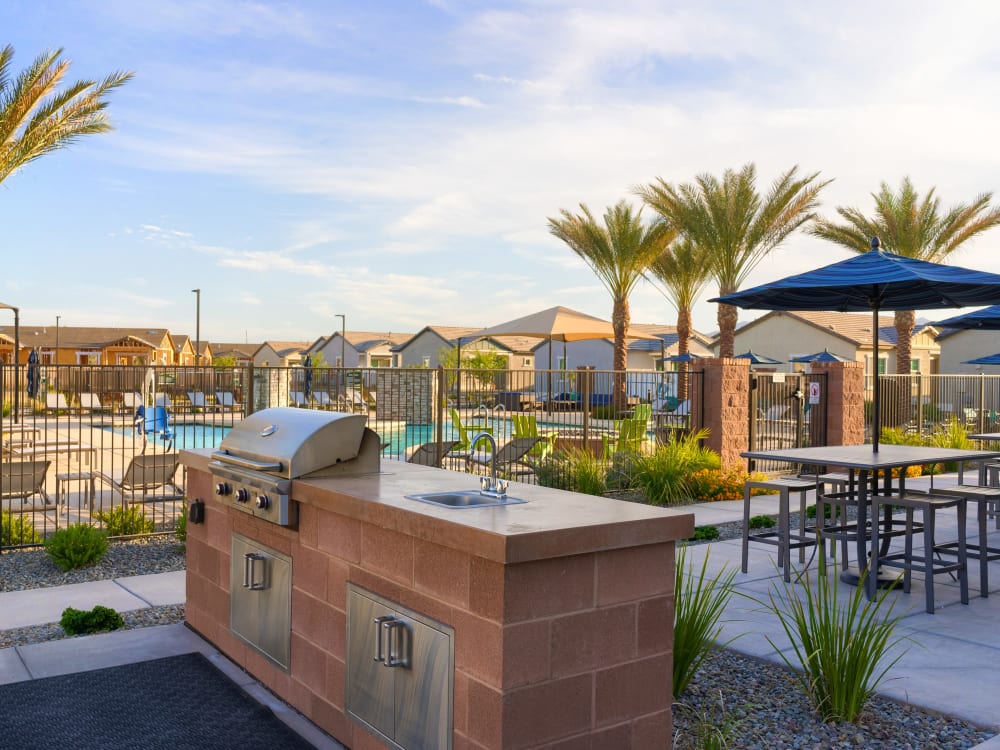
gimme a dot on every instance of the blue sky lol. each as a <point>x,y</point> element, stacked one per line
<point>397,161</point>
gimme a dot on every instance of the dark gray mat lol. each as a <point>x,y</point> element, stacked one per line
<point>177,702</point>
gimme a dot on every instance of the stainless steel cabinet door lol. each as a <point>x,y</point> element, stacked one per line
<point>423,692</point>
<point>370,695</point>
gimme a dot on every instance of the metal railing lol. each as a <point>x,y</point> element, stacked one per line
<point>924,403</point>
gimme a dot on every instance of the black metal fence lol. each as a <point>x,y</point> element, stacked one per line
<point>787,410</point>
<point>924,403</point>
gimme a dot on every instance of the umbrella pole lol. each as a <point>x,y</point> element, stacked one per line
<point>876,405</point>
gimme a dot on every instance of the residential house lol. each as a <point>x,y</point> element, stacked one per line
<point>359,348</point>
<point>76,345</point>
<point>241,353</point>
<point>785,335</point>
<point>280,353</point>
<point>641,354</point>
<point>959,346</point>
<point>424,348</point>
<point>184,354</point>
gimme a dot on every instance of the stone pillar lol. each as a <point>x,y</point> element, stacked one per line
<point>845,402</point>
<point>722,407</point>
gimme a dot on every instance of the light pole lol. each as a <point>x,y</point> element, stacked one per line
<point>197,327</point>
<point>343,331</point>
<point>55,355</point>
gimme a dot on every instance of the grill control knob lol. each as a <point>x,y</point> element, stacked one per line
<point>223,488</point>
<point>263,502</point>
<point>242,495</point>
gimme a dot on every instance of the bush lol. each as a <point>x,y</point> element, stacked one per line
<point>708,485</point>
<point>841,653</point>
<point>76,545</point>
<point>16,529</point>
<point>576,470</point>
<point>603,412</point>
<point>122,521</point>
<point>705,533</point>
<point>664,474</point>
<point>952,435</point>
<point>98,620</point>
<point>761,522</point>
<point>181,526</point>
<point>698,605</point>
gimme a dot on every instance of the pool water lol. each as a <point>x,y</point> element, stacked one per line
<point>185,435</point>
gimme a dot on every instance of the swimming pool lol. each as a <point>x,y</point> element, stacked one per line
<point>185,435</point>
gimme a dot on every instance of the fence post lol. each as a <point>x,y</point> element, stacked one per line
<point>845,387</point>
<point>725,396</point>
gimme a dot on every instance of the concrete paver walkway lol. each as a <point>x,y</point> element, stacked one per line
<point>950,665</point>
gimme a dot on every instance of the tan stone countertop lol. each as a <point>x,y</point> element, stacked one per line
<point>552,523</point>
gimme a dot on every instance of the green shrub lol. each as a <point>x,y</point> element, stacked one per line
<point>76,545</point>
<point>621,473</point>
<point>710,485</point>
<point>952,435</point>
<point>698,604</point>
<point>811,511</point>
<point>603,412</point>
<point>712,728</point>
<point>16,529</point>
<point>841,653</point>
<point>761,522</point>
<point>122,521</point>
<point>577,470</point>
<point>664,474</point>
<point>98,620</point>
<point>181,526</point>
<point>705,533</point>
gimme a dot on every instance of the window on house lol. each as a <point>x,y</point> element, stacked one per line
<point>526,362</point>
<point>914,365</point>
<point>427,361</point>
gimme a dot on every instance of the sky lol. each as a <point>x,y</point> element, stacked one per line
<point>397,162</point>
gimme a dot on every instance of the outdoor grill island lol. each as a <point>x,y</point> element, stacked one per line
<point>391,622</point>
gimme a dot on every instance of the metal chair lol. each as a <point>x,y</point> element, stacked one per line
<point>782,538</point>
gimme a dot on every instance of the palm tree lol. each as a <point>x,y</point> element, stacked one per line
<point>683,271</point>
<point>912,227</point>
<point>35,118</point>
<point>735,224</point>
<point>618,253</point>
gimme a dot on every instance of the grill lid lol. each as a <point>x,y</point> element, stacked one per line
<point>292,443</point>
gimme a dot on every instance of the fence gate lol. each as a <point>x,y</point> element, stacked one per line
<point>787,410</point>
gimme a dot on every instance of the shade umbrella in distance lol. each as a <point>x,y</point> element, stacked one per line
<point>757,359</point>
<point>989,359</point>
<point>685,357</point>
<point>875,281</point>
<point>987,319</point>
<point>824,356</point>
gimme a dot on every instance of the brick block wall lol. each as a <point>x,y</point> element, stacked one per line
<point>572,651</point>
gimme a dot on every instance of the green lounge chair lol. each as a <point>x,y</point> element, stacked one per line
<point>526,426</point>
<point>631,435</point>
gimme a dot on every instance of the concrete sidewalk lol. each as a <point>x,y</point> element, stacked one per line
<point>950,664</point>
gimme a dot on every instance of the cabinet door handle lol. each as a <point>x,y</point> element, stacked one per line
<point>250,581</point>
<point>379,652</point>
<point>397,640</point>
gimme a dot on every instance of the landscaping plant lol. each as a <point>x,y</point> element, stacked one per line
<point>698,604</point>
<point>705,533</point>
<point>76,545</point>
<point>16,529</point>
<point>181,525</point>
<point>98,620</point>
<point>840,652</point>
<point>122,521</point>
<point>664,474</point>
<point>709,485</point>
<point>711,729</point>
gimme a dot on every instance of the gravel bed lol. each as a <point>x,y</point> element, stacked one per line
<point>757,704</point>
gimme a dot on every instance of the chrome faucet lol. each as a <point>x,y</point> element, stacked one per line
<point>491,486</point>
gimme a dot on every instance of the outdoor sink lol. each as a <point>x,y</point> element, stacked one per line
<point>463,499</point>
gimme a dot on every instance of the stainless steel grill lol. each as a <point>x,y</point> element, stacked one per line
<point>258,459</point>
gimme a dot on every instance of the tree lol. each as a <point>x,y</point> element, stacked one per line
<point>909,226</point>
<point>478,364</point>
<point>36,118</point>
<point>619,253</point>
<point>683,271</point>
<point>734,224</point>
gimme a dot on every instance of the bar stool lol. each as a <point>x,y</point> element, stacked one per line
<point>908,560</point>
<point>988,501</point>
<point>782,537</point>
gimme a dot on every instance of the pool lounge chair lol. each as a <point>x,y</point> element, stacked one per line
<point>21,480</point>
<point>510,459</point>
<point>55,401</point>
<point>323,400</point>
<point>431,454</point>
<point>226,400</point>
<point>91,402</point>
<point>299,398</point>
<point>145,474</point>
<point>130,401</point>
<point>197,400</point>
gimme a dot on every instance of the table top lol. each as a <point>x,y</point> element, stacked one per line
<point>985,436</point>
<point>863,457</point>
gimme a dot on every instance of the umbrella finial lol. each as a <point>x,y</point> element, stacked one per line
<point>875,243</point>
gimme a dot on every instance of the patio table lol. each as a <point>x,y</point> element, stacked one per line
<point>868,465</point>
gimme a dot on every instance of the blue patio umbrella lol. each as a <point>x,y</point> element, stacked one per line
<point>308,365</point>
<point>824,356</point>
<point>989,359</point>
<point>685,357</point>
<point>34,376</point>
<point>757,359</point>
<point>877,280</point>
<point>988,319</point>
